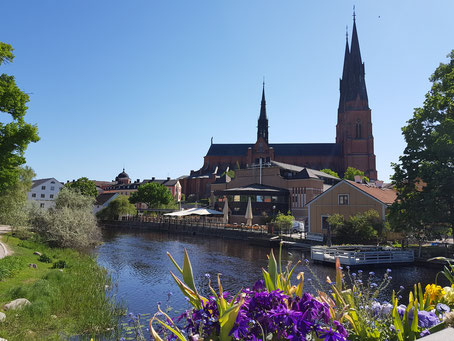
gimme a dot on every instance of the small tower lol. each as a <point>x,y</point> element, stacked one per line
<point>262,127</point>
<point>354,123</point>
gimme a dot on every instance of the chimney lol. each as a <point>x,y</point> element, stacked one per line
<point>138,180</point>
<point>358,179</point>
<point>379,183</point>
<point>152,179</point>
<point>168,178</point>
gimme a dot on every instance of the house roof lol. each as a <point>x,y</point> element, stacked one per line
<point>103,198</point>
<point>281,149</point>
<point>38,182</point>
<point>304,172</point>
<point>254,189</point>
<point>385,195</point>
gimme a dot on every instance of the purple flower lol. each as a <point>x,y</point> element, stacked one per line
<point>360,271</point>
<point>443,308</point>
<point>425,332</point>
<point>207,275</point>
<point>371,273</point>
<point>388,270</point>
<point>401,287</point>
<point>427,319</point>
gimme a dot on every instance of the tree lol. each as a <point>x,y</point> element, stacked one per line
<point>330,172</point>
<point>70,224</point>
<point>359,228</point>
<point>117,207</point>
<point>424,176</point>
<point>17,134</point>
<point>351,172</point>
<point>13,200</point>
<point>284,222</point>
<point>153,194</point>
<point>83,186</point>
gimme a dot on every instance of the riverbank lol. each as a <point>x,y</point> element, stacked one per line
<point>66,288</point>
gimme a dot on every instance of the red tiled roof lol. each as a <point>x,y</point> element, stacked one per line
<point>385,195</point>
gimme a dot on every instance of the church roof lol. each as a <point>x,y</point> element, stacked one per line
<point>281,149</point>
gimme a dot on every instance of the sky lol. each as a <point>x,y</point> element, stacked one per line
<point>145,84</point>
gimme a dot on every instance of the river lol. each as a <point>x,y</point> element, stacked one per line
<point>138,263</point>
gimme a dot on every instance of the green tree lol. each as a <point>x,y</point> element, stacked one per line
<point>13,200</point>
<point>284,222</point>
<point>351,172</point>
<point>153,194</point>
<point>17,134</point>
<point>83,186</point>
<point>424,176</point>
<point>117,207</point>
<point>359,228</point>
<point>330,172</point>
<point>70,224</point>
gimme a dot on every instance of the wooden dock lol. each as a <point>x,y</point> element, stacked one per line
<point>361,255</point>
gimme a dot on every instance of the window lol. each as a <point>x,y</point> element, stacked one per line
<point>343,199</point>
<point>43,195</point>
<point>51,196</point>
<point>43,187</point>
<point>236,198</point>
<point>325,225</point>
<point>41,205</point>
<point>358,128</point>
<point>52,188</point>
<point>33,195</point>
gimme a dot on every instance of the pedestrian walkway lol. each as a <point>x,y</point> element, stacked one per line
<point>3,250</point>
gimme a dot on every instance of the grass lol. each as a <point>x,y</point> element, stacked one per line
<point>64,303</point>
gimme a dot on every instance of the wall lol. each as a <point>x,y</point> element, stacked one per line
<point>328,205</point>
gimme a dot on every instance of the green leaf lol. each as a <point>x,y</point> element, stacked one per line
<point>188,277</point>
<point>272,269</point>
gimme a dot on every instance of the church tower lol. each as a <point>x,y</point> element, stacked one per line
<point>262,127</point>
<point>354,124</point>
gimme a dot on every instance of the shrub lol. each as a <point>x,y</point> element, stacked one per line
<point>9,265</point>
<point>44,258</point>
<point>61,264</point>
<point>70,224</point>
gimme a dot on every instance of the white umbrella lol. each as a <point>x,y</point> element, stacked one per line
<point>225,219</point>
<point>248,214</point>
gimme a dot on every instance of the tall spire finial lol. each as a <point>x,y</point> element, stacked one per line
<point>354,13</point>
<point>346,33</point>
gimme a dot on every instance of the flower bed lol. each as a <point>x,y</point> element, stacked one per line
<point>276,309</point>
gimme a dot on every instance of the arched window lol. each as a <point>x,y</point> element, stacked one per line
<point>358,128</point>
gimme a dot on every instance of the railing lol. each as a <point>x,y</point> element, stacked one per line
<point>361,257</point>
<point>190,222</point>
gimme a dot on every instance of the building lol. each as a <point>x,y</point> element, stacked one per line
<point>44,192</point>
<point>274,187</point>
<point>354,144</point>
<point>124,186</point>
<point>103,200</point>
<point>348,198</point>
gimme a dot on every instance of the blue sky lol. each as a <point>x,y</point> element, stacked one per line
<point>146,84</point>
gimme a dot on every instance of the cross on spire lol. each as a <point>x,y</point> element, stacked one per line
<point>354,14</point>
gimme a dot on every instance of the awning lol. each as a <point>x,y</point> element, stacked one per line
<point>194,211</point>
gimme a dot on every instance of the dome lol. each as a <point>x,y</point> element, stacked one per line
<point>122,175</point>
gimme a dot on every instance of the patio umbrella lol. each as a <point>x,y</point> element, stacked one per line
<point>225,219</point>
<point>248,214</point>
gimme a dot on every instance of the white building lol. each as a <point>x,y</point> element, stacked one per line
<point>44,192</point>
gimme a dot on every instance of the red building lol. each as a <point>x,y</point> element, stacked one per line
<point>354,144</point>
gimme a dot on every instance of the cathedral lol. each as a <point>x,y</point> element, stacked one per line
<point>354,146</point>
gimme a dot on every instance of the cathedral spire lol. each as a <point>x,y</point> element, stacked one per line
<point>262,128</point>
<point>353,84</point>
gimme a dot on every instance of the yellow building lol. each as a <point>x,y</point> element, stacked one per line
<point>348,198</point>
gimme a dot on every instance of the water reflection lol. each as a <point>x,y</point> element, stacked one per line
<point>137,260</point>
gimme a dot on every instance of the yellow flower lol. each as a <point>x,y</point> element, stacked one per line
<point>449,295</point>
<point>435,292</point>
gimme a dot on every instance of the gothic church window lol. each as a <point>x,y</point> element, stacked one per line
<point>358,128</point>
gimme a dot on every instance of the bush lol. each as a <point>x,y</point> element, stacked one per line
<point>44,258</point>
<point>61,264</point>
<point>284,222</point>
<point>70,224</point>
